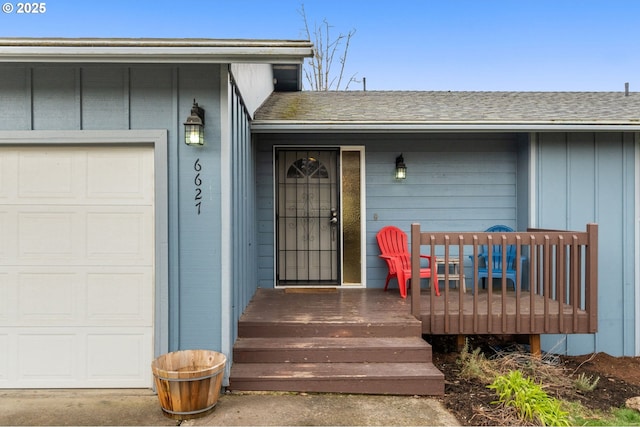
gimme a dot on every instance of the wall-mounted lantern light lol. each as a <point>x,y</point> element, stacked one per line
<point>194,126</point>
<point>401,168</point>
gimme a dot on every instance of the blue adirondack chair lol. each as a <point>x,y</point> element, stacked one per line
<point>496,260</point>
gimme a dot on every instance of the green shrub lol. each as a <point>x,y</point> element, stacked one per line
<point>474,364</point>
<point>529,400</point>
<point>586,383</point>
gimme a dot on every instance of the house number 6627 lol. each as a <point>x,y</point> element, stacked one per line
<point>197,181</point>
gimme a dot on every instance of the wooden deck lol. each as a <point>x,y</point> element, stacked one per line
<point>338,312</point>
<point>456,313</point>
<point>368,340</point>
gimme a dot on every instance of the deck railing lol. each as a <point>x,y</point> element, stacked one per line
<point>555,289</point>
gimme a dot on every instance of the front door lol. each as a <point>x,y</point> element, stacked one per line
<point>307,217</point>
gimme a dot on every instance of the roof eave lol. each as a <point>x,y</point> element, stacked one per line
<point>270,126</point>
<point>153,51</point>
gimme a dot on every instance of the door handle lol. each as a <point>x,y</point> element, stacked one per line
<point>333,222</point>
<point>334,216</point>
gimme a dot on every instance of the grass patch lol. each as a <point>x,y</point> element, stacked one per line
<point>580,416</point>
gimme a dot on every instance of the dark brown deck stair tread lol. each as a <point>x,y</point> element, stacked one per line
<point>368,378</point>
<point>332,342</point>
<point>335,371</point>
<point>270,305</point>
<point>331,350</point>
<point>324,329</point>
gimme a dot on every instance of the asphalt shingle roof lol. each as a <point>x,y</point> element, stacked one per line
<point>451,107</point>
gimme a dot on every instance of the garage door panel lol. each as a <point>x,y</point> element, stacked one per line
<point>4,358</point>
<point>48,297</point>
<point>133,181</point>
<point>8,170</point>
<point>22,303</point>
<point>4,299</point>
<point>110,355</point>
<point>47,174</point>
<point>132,229</point>
<point>46,234</point>
<point>47,355</point>
<point>8,234</point>
<point>119,298</point>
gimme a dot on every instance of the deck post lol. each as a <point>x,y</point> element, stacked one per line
<point>415,270</point>
<point>534,344</point>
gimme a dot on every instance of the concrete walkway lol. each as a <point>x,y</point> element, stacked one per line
<point>141,407</point>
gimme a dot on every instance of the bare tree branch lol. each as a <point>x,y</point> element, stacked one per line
<point>318,70</point>
<point>343,58</point>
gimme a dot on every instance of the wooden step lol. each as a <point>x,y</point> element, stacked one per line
<point>331,350</point>
<point>408,327</point>
<point>365,378</point>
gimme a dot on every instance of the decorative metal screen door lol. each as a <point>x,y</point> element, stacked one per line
<point>307,220</point>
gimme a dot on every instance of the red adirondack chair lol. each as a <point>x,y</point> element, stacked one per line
<point>394,249</point>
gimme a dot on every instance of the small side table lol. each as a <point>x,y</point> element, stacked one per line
<point>455,273</point>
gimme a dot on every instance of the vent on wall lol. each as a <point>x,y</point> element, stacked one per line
<point>287,77</point>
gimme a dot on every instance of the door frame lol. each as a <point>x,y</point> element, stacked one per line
<point>363,216</point>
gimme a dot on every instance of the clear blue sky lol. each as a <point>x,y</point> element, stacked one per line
<point>548,45</point>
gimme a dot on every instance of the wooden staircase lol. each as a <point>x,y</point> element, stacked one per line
<point>305,350</point>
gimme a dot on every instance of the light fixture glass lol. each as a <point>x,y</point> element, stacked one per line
<point>194,126</point>
<point>401,168</point>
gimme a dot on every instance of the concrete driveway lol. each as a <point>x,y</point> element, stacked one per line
<point>141,407</point>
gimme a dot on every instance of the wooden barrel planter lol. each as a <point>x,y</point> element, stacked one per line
<point>188,382</point>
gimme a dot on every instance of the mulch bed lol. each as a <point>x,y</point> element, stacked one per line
<point>470,400</point>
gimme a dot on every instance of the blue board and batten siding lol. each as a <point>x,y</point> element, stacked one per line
<point>243,211</point>
<point>124,97</point>
<point>590,177</point>
<point>454,182</point>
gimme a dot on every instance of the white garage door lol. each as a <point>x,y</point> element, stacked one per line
<point>76,266</point>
